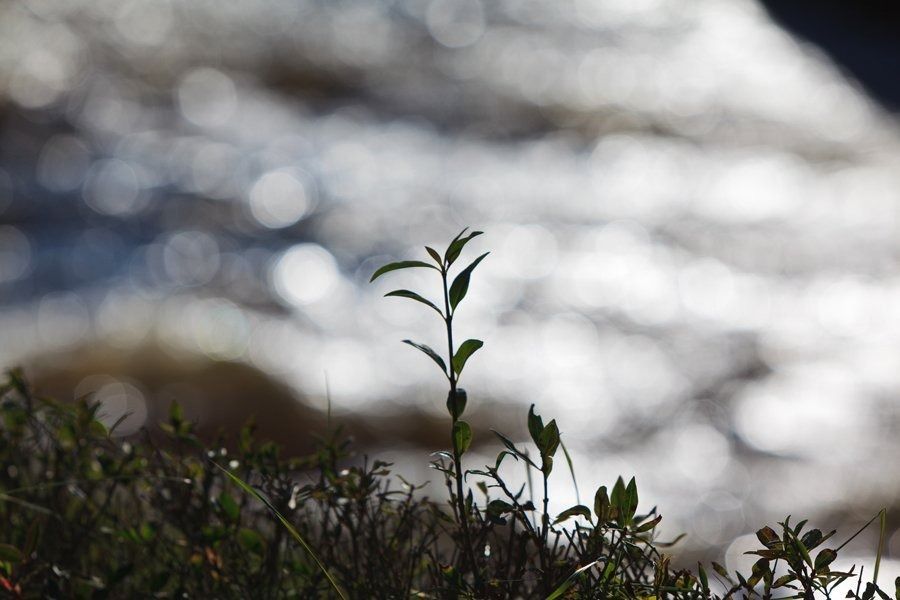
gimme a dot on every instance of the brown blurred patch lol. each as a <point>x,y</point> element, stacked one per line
<point>222,396</point>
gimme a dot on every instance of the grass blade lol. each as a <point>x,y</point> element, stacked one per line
<point>565,585</point>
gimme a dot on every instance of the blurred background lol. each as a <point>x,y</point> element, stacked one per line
<point>692,208</point>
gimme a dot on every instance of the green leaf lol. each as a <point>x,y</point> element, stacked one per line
<point>434,254</point>
<point>456,405</point>
<point>812,538</point>
<point>548,440</point>
<point>460,284</point>
<point>577,510</point>
<point>457,245</point>
<point>649,525</point>
<point>783,580</point>
<point>431,353</point>
<point>465,350</point>
<point>617,499</point>
<point>535,426</point>
<point>498,507</point>
<point>414,296</point>
<point>722,572</point>
<point>10,553</point>
<point>403,264</point>
<point>768,537</point>
<point>632,495</point>
<point>462,436</point>
<point>601,504</point>
<point>251,540</point>
<point>512,447</point>
<point>704,579</point>
<point>824,558</point>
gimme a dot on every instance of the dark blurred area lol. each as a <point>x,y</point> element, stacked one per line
<point>692,209</point>
<point>862,37</point>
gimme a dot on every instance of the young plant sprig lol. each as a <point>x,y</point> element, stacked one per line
<point>453,294</point>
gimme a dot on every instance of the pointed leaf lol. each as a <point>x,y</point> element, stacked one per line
<point>548,440</point>
<point>431,353</point>
<point>498,507</point>
<point>577,510</point>
<point>649,525</point>
<point>601,504</point>
<point>460,284</point>
<point>465,350</point>
<point>414,296</point>
<point>632,495</point>
<point>535,425</point>
<point>768,537</point>
<point>403,264</point>
<point>824,558</point>
<point>512,447</point>
<point>462,436</point>
<point>704,579</point>
<point>434,254</point>
<point>617,498</point>
<point>457,245</point>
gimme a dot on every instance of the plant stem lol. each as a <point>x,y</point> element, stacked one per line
<point>457,455</point>
<point>545,523</point>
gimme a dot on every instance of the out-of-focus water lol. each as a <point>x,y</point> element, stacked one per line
<point>693,220</point>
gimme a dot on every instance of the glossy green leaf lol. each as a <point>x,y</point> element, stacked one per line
<point>431,354</point>
<point>456,403</point>
<point>579,510</point>
<point>457,244</point>
<point>403,264</point>
<point>460,284</point>
<point>462,436</point>
<point>465,350</point>
<point>414,296</point>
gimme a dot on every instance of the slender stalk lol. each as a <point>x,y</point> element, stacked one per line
<point>545,524</point>
<point>457,455</point>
